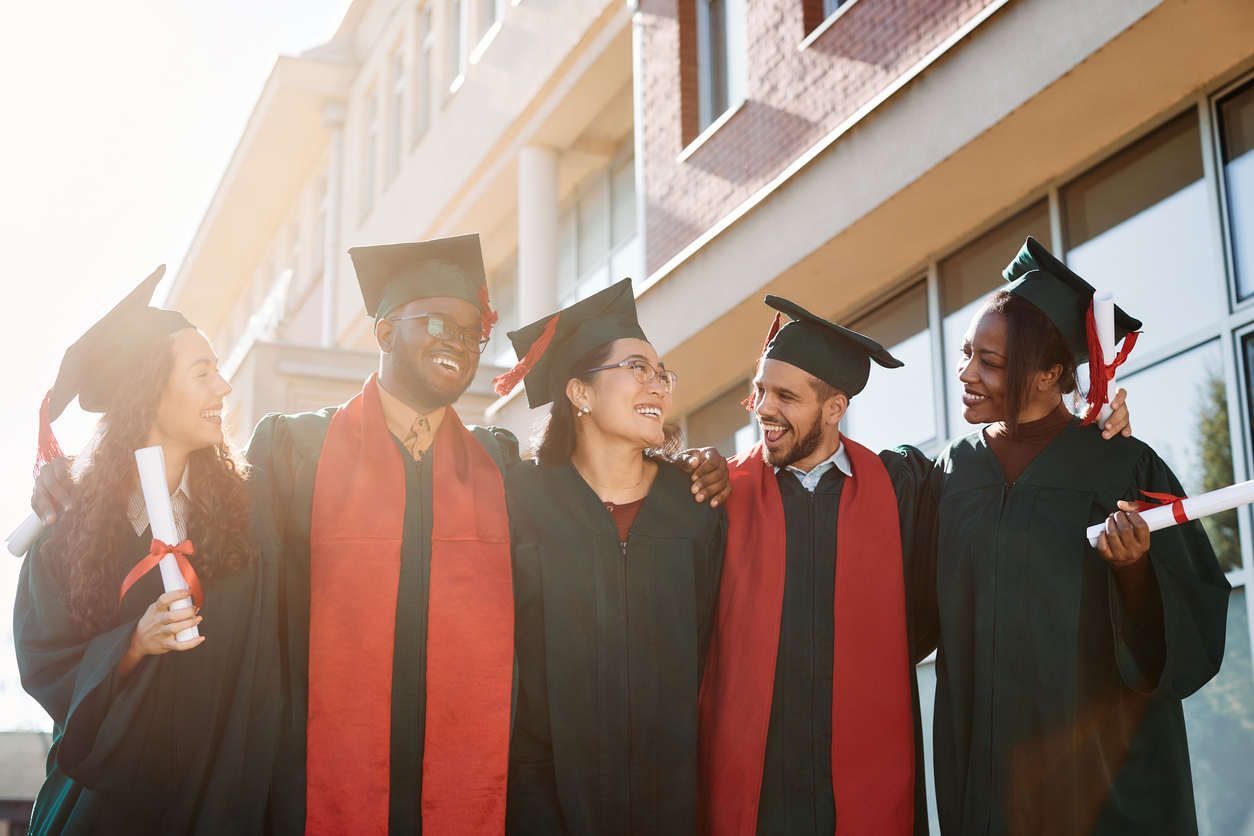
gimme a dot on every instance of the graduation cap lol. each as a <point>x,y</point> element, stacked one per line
<point>834,354</point>
<point>95,365</point>
<point>1067,301</point>
<point>392,274</point>
<point>549,346</point>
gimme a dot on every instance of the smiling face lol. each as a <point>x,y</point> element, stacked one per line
<point>982,369</point>
<point>427,372</point>
<point>621,407</point>
<point>189,416</point>
<point>799,427</point>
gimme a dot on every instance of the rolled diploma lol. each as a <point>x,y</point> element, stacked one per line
<point>1195,507</point>
<point>20,541</point>
<point>161,516</point>
<point>1104,318</point>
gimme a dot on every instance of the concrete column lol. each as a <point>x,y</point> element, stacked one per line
<point>538,213</point>
<point>333,116</point>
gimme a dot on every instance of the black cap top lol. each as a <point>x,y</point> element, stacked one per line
<point>111,349</point>
<point>834,354</point>
<point>392,274</point>
<point>603,317</point>
<point>1038,276</point>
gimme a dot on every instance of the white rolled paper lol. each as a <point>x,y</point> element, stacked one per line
<point>20,541</point>
<point>152,479</point>
<point>1104,318</point>
<point>1195,507</point>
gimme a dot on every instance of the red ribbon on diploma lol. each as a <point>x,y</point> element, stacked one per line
<point>1100,374</point>
<point>1176,503</point>
<point>160,550</point>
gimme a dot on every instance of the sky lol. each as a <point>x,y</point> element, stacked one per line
<point>118,121</point>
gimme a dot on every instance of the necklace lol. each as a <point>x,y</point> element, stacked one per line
<point>610,487</point>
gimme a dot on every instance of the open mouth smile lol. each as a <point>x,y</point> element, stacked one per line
<point>449,365</point>
<point>649,412</point>
<point>772,432</point>
<point>213,416</point>
<point>970,398</point>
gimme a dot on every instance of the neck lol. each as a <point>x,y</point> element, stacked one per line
<point>614,468</point>
<point>389,381</point>
<point>175,456</point>
<point>1040,408</point>
<point>825,450</point>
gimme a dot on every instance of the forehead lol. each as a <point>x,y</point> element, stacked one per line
<point>777,373</point>
<point>459,309</point>
<point>630,346</point>
<point>987,327</point>
<point>190,345</point>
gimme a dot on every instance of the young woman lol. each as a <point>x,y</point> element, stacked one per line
<point>152,734</point>
<point>1061,668</point>
<point>616,574</point>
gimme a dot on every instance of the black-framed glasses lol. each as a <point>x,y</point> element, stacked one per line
<point>644,373</point>
<point>444,328</point>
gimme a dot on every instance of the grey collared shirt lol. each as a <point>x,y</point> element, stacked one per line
<point>180,502</point>
<point>839,460</point>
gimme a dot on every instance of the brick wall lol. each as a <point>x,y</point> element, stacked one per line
<point>793,98</point>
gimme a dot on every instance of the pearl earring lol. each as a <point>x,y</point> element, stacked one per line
<point>585,410</point>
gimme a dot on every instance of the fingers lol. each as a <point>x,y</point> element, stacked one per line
<point>167,599</point>
<point>709,465</point>
<point>52,489</point>
<point>187,645</point>
<point>690,459</point>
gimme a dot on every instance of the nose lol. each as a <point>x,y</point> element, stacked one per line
<point>223,388</point>
<point>965,372</point>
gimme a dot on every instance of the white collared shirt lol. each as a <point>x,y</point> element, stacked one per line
<point>839,460</point>
<point>180,501</point>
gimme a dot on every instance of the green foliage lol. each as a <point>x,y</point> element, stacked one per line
<point>1215,454</point>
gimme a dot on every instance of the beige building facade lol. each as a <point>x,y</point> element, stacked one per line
<point>587,141</point>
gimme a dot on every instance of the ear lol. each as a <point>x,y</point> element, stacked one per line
<point>385,335</point>
<point>1048,379</point>
<point>577,392</point>
<point>835,407</point>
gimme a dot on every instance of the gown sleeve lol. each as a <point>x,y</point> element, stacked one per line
<point>1176,660</point>
<point>707,594</point>
<point>911,474</point>
<point>76,680</point>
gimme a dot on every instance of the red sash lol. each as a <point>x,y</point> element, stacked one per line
<point>872,725</point>
<point>358,520</point>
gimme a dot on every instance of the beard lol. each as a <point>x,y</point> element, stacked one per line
<point>422,384</point>
<point>802,447</point>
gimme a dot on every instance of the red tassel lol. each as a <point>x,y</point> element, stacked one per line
<point>1100,374</point>
<point>489,317</point>
<point>506,382</point>
<point>48,447</point>
<point>750,402</point>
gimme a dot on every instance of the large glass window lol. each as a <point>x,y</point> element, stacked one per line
<point>598,244</point>
<point>721,77</point>
<point>1236,116</point>
<point>1137,225</point>
<point>724,423</point>
<point>396,110</point>
<point>898,405</point>
<point>1180,408</point>
<point>1220,721</point>
<point>422,83</point>
<point>456,44</point>
<point>966,279</point>
<point>368,159</point>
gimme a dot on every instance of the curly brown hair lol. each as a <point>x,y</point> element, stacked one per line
<point>83,547</point>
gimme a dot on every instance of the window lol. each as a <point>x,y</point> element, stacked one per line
<point>456,44</point>
<point>422,84</point>
<point>597,243</point>
<point>396,111</point>
<point>1137,225</point>
<point>491,13</point>
<point>966,279</point>
<point>1236,117</point>
<point>830,7</point>
<point>720,58</point>
<point>368,162</point>
<point>724,423</point>
<point>293,253</point>
<point>324,219</point>
<point>897,406</point>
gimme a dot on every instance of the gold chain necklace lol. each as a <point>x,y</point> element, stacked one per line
<point>610,487</point>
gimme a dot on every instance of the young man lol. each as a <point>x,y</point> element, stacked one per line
<point>396,595</point>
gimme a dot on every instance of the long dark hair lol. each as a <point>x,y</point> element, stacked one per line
<point>553,441</point>
<point>1033,344</point>
<point>83,548</point>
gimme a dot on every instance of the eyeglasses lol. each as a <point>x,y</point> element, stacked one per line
<point>443,328</point>
<point>644,373</point>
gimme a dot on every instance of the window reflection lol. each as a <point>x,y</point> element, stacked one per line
<point>967,277</point>
<point>1220,722</point>
<point>724,423</point>
<point>1189,431</point>
<point>897,406</point>
<point>1138,225</point>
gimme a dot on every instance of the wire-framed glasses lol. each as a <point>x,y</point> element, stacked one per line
<point>644,373</point>
<point>444,328</point>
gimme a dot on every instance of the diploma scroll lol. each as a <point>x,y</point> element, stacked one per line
<point>1104,319</point>
<point>152,479</point>
<point>20,541</point>
<point>1194,508</point>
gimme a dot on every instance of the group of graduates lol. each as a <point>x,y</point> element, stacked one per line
<point>405,628</point>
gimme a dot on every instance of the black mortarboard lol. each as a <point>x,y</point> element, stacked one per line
<point>834,354</point>
<point>1064,297</point>
<point>95,365</point>
<point>549,346</point>
<point>392,274</point>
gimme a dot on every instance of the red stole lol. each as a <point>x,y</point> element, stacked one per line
<point>358,520</point>
<point>872,724</point>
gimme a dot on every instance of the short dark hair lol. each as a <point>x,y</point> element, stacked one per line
<point>1033,344</point>
<point>825,391</point>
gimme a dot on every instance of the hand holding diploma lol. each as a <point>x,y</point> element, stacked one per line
<point>1183,509</point>
<point>152,479</point>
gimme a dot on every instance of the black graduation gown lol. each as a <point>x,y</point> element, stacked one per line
<point>289,446</point>
<point>1055,711</point>
<point>611,642</point>
<point>184,745</point>
<point>797,795</point>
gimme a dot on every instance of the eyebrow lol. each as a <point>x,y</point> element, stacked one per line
<point>992,352</point>
<point>205,361</point>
